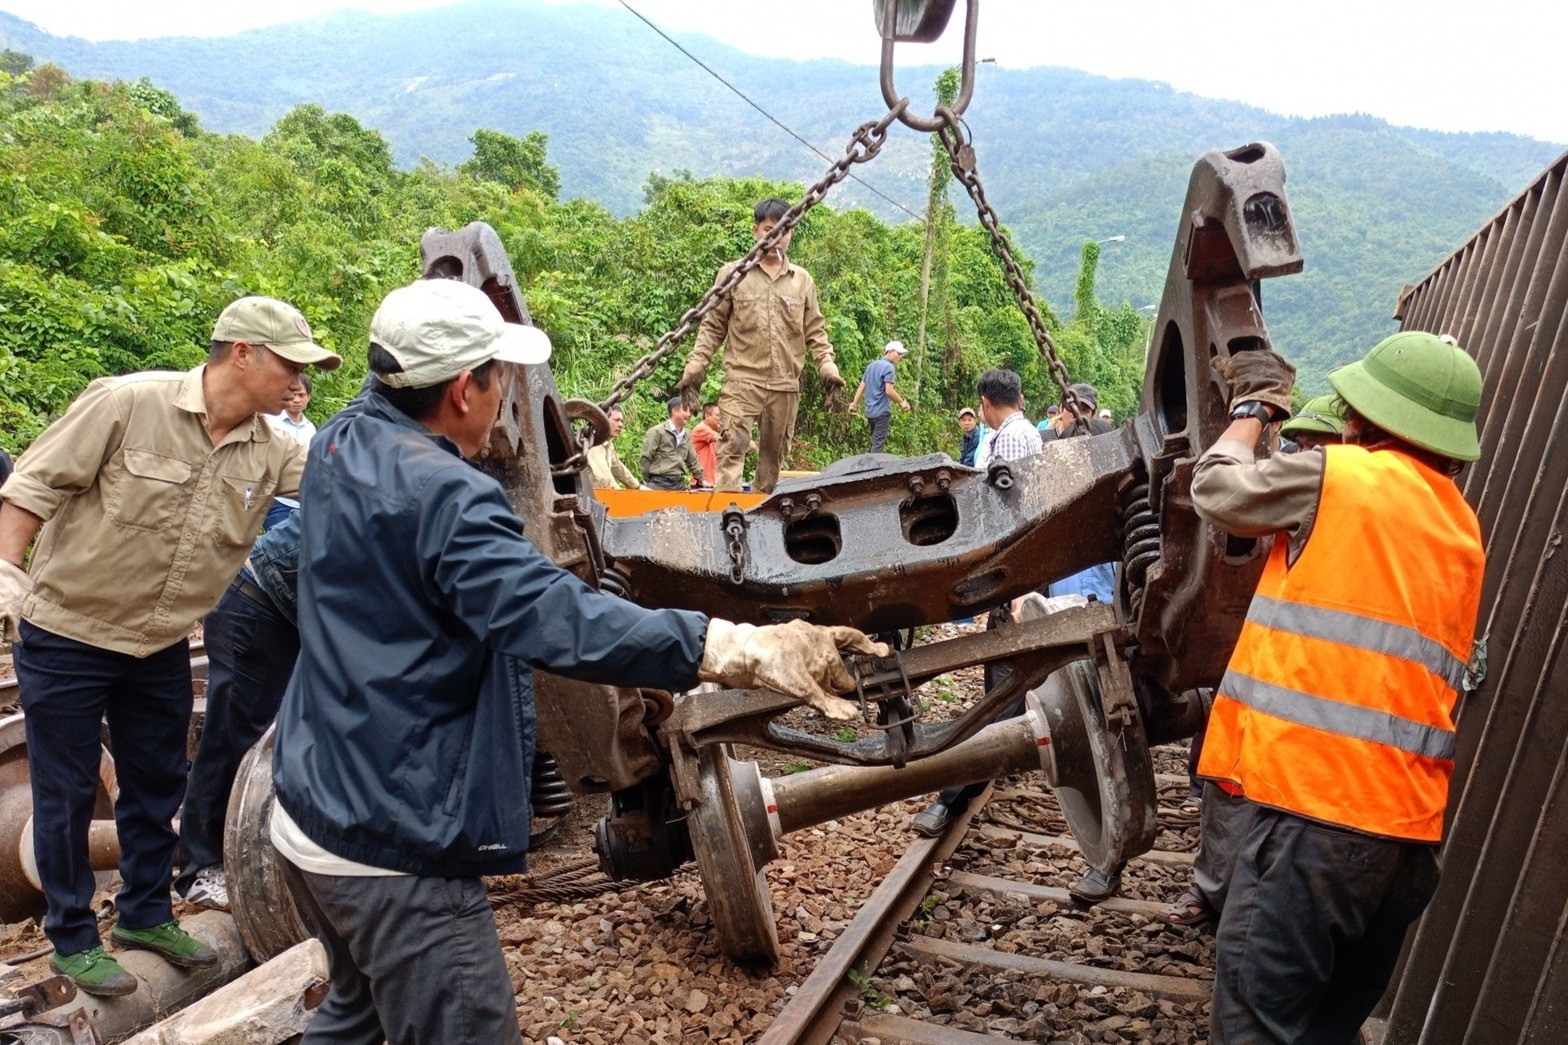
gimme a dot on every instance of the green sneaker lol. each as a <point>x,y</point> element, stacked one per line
<point>95,972</point>
<point>171,943</point>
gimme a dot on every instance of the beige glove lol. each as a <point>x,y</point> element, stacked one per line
<point>1258,376</point>
<point>797,659</point>
<point>15,585</point>
<point>832,382</point>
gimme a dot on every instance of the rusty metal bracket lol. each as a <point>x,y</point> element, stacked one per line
<point>1116,692</point>
<point>1033,649</point>
<point>896,715</point>
<point>37,997</point>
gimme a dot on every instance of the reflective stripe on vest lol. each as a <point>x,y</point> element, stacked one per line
<point>1335,716</point>
<point>1337,702</point>
<point>1350,629</point>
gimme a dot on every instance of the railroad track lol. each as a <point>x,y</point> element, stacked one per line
<point>972,939</point>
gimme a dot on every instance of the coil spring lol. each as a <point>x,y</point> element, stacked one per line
<point>1140,543</point>
<point>614,582</point>
<point>549,794</point>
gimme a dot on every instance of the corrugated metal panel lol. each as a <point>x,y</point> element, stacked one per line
<point>1488,962</point>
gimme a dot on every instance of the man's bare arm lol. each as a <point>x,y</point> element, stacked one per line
<point>18,527</point>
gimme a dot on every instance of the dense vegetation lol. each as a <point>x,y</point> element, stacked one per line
<point>1067,157</point>
<point>124,229</point>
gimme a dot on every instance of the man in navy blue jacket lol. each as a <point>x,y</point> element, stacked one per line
<point>406,737</point>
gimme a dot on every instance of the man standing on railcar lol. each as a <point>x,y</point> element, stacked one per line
<point>1335,715</point>
<point>766,327</point>
<point>148,494</point>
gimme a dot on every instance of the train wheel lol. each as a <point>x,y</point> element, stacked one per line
<point>730,860</point>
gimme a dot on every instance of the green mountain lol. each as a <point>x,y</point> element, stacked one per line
<point>1065,156</point>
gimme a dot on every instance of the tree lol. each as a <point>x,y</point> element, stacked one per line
<point>514,162</point>
<point>15,63</point>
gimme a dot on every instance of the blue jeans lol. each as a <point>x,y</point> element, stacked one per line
<point>68,689</point>
<point>251,649</point>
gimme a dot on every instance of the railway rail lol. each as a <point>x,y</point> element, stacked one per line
<point>968,941</point>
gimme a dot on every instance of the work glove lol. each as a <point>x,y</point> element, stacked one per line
<point>689,387</point>
<point>15,585</point>
<point>797,659</point>
<point>832,382</point>
<point>1258,375</point>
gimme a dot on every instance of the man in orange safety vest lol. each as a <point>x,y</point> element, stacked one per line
<point>1335,715</point>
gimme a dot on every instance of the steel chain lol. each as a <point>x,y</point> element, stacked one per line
<point>962,160</point>
<point>864,145</point>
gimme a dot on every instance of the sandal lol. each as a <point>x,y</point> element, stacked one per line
<point>1191,909</point>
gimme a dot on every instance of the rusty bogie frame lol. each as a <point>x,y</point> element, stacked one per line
<point>889,545</point>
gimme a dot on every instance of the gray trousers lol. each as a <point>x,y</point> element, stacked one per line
<point>1312,930</point>
<point>879,429</point>
<point>1222,825</point>
<point>413,961</point>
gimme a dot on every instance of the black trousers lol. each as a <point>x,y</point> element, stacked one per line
<point>251,649</point>
<point>1311,930</point>
<point>667,482</point>
<point>1222,828</point>
<point>68,690</point>
<point>880,425</point>
<point>413,961</point>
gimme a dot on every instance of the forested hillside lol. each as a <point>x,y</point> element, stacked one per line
<point>125,227</point>
<point>1066,156</point>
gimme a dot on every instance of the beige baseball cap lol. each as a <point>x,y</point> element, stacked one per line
<point>278,326</point>
<point>438,328</point>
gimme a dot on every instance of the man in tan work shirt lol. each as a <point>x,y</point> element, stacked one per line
<point>148,494</point>
<point>605,466</point>
<point>766,327</point>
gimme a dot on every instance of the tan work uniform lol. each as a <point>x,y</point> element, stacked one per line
<point>608,471</point>
<point>766,327</point>
<point>145,521</point>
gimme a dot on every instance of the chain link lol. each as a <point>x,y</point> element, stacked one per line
<point>962,159</point>
<point>864,145</point>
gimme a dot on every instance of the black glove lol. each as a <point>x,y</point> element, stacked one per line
<point>1258,376</point>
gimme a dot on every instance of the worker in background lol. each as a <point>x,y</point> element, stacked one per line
<point>1076,415</point>
<point>252,641</point>
<point>604,465</point>
<point>1334,718</point>
<point>145,498</point>
<point>667,457</point>
<point>406,737</point>
<point>970,426</point>
<point>766,327</point>
<point>705,441</point>
<point>1224,815</point>
<point>877,387</point>
<point>1319,422</point>
<point>1012,439</point>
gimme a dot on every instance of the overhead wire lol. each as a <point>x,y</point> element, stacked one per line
<point>775,120</point>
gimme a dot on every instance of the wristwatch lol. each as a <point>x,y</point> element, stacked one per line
<point>1253,408</point>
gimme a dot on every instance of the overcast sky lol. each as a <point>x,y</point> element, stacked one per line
<point>1444,64</point>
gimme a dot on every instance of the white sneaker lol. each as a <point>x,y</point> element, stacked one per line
<point>209,890</point>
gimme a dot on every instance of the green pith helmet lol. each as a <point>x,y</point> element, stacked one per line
<point>1420,388</point>
<point>1320,416</point>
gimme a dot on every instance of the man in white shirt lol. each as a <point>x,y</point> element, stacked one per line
<point>292,421</point>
